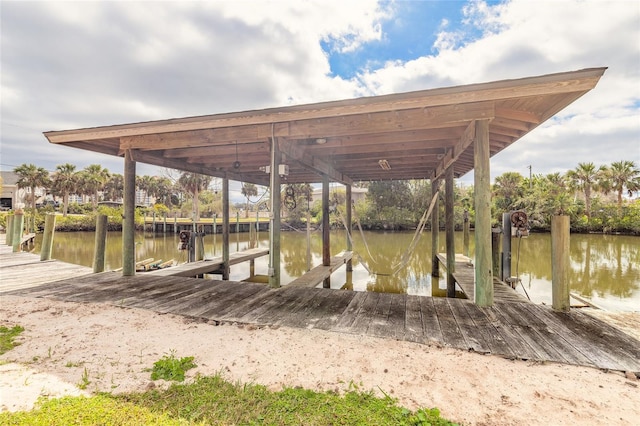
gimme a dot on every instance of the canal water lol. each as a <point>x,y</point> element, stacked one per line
<point>605,269</point>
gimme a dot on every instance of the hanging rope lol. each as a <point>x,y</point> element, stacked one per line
<point>406,256</point>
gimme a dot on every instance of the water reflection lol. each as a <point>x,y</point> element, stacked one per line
<point>604,268</point>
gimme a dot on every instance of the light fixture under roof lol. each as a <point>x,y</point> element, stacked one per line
<point>321,141</point>
<point>384,164</point>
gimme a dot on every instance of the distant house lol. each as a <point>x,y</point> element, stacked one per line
<point>12,196</point>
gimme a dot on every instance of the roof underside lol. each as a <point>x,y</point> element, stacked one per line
<point>419,134</point>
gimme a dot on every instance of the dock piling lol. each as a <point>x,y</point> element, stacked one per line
<point>101,244</point>
<point>9,231</point>
<point>18,226</point>
<point>560,263</point>
<point>47,237</point>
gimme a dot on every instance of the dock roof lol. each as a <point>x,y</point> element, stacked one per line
<point>413,135</point>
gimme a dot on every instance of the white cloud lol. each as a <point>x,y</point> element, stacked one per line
<point>80,64</point>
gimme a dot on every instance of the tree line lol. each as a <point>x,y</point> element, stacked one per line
<point>593,196</point>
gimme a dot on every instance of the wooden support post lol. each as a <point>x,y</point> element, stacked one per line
<point>18,227</point>
<point>47,237</point>
<point>326,239</point>
<point>129,217</point>
<point>100,244</point>
<point>482,188</point>
<point>200,244</point>
<point>435,230</point>
<point>215,224</point>
<point>153,221</point>
<point>506,247</point>
<point>9,231</point>
<point>257,228</point>
<point>495,251</point>
<point>252,268</point>
<point>348,205</point>
<point>560,263</point>
<point>308,240</point>
<point>175,223</point>
<point>274,219</point>
<point>450,231</point>
<point>225,228</point>
<point>465,233</point>
<point>164,224</point>
<point>237,231</point>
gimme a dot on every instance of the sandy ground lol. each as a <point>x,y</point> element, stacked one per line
<point>65,344</point>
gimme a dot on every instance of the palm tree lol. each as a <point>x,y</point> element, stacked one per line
<point>93,178</point>
<point>194,183</point>
<point>65,181</point>
<point>623,175</point>
<point>114,188</point>
<point>508,191</point>
<point>249,190</point>
<point>30,176</point>
<point>585,177</point>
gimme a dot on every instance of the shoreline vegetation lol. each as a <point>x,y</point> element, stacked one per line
<point>596,199</point>
<point>86,222</point>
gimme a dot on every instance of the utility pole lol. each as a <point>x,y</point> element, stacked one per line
<point>530,181</point>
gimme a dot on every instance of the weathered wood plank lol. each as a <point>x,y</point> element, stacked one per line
<point>351,312</point>
<point>413,331</point>
<point>451,333</point>
<point>378,325</point>
<point>318,274</point>
<point>207,266</point>
<point>333,308</point>
<point>488,331</point>
<point>467,326</point>
<point>430,323</point>
<point>364,315</point>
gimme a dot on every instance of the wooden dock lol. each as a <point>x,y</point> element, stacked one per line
<point>19,270</point>
<point>321,272</point>
<point>465,279</point>
<point>208,266</point>
<point>512,330</point>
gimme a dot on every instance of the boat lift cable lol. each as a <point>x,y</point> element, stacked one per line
<point>406,256</point>
<point>518,266</point>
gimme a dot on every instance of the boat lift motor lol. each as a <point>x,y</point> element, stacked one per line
<point>185,239</point>
<point>514,224</point>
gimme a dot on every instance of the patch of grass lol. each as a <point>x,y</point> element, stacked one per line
<point>7,336</point>
<point>97,410</point>
<point>213,400</point>
<point>84,380</point>
<point>171,368</point>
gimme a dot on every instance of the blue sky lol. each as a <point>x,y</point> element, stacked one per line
<point>69,65</point>
<point>409,33</point>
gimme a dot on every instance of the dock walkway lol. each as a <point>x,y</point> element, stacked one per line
<point>321,272</point>
<point>512,330</point>
<point>209,266</point>
<point>465,278</point>
<point>24,269</point>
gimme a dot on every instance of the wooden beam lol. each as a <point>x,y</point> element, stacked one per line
<point>452,155</point>
<point>450,232</point>
<point>482,189</point>
<point>318,165</point>
<point>437,117</point>
<point>225,229</point>
<point>576,81</point>
<point>128,219</point>
<point>218,150</point>
<point>326,228</point>
<point>435,229</point>
<point>274,223</point>
<point>514,114</point>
